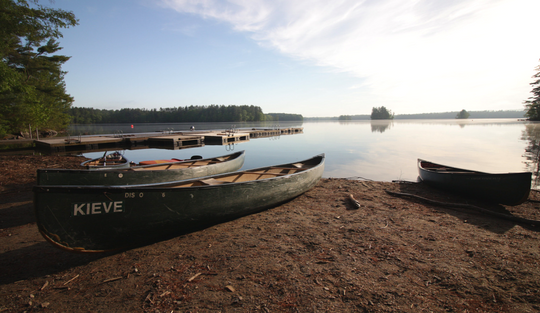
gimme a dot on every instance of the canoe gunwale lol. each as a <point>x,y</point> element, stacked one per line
<point>464,170</point>
<point>171,184</point>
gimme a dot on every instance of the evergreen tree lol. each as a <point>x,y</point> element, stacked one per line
<point>381,114</point>
<point>533,104</point>
<point>32,88</point>
<point>463,115</point>
<point>211,113</point>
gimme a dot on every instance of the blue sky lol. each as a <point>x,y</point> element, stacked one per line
<point>315,58</point>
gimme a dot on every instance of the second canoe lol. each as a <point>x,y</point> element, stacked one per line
<point>144,174</point>
<point>505,188</point>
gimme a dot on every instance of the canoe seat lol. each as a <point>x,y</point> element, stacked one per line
<point>150,162</point>
<point>213,181</point>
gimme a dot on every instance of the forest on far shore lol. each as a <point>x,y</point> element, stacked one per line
<point>210,113</point>
<point>441,115</point>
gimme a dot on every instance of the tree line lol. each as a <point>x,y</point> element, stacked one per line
<point>465,114</point>
<point>442,115</point>
<point>210,113</point>
<point>377,113</point>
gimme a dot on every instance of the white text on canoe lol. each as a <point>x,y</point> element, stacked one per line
<point>96,208</point>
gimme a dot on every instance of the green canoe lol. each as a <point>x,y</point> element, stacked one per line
<point>144,174</point>
<point>100,218</point>
<point>504,188</point>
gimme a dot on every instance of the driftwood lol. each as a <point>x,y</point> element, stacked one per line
<point>111,279</point>
<point>354,201</point>
<point>69,281</point>
<point>194,276</point>
<point>44,285</point>
<point>467,206</point>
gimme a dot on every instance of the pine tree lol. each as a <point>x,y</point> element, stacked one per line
<point>463,115</point>
<point>533,104</point>
<point>32,88</point>
<point>381,114</point>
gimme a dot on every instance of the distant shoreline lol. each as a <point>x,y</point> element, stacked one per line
<point>443,115</point>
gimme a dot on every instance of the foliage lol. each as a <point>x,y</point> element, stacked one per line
<point>441,115</point>
<point>211,113</point>
<point>381,114</point>
<point>353,117</point>
<point>32,88</point>
<point>476,114</point>
<point>283,117</point>
<point>531,135</point>
<point>463,115</point>
<point>533,104</point>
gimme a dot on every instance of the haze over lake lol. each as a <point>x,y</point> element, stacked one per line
<point>376,150</point>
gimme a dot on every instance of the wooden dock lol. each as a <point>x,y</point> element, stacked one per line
<point>176,141</point>
<point>173,140</point>
<point>225,137</point>
<point>272,132</point>
<point>79,143</point>
<point>100,143</point>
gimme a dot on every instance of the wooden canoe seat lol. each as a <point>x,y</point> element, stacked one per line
<point>438,169</point>
<point>273,174</point>
<point>256,175</point>
<point>297,168</point>
<point>150,162</point>
<point>161,167</point>
<point>199,163</point>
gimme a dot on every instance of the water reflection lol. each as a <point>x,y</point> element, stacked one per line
<point>100,129</point>
<point>369,149</point>
<point>531,134</point>
<point>379,126</point>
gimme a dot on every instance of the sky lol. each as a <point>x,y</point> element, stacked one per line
<point>318,58</point>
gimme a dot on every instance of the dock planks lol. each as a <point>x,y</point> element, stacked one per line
<point>178,140</point>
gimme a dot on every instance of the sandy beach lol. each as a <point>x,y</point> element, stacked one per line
<point>316,253</point>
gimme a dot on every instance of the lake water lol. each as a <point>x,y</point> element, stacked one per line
<point>376,150</point>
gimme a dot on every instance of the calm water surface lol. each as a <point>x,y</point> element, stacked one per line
<point>378,150</point>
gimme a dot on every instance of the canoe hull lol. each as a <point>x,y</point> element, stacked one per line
<point>93,219</point>
<point>507,188</point>
<point>132,176</point>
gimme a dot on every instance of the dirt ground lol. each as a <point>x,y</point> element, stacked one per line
<point>316,253</point>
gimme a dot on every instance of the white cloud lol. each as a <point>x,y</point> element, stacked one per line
<point>413,56</point>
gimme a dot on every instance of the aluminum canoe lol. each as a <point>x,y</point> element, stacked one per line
<point>144,174</point>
